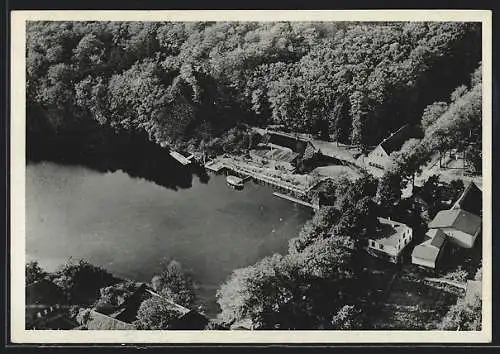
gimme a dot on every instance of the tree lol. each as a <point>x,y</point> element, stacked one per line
<point>458,92</point>
<point>34,272</point>
<point>114,295</point>
<point>358,81</point>
<point>463,316</point>
<point>82,281</point>
<point>175,284</point>
<point>316,228</point>
<point>156,313</point>
<point>432,113</point>
<point>296,291</point>
<point>389,190</point>
<point>432,193</point>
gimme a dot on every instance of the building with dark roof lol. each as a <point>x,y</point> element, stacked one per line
<point>380,156</point>
<point>288,148</point>
<point>470,200</point>
<point>125,315</point>
<point>462,227</point>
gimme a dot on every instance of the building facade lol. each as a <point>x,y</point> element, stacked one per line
<point>393,237</point>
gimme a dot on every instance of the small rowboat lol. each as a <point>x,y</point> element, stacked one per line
<point>234,182</point>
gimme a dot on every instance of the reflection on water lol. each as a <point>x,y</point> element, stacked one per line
<point>129,224</point>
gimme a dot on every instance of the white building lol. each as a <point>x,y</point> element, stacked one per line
<point>391,240</point>
<point>380,156</point>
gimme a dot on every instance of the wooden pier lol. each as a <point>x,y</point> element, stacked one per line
<point>296,200</point>
<point>183,160</point>
<point>220,165</point>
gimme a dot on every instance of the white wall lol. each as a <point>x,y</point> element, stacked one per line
<point>393,250</point>
<point>378,156</point>
<point>423,262</point>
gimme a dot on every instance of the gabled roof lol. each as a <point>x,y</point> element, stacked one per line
<point>127,312</point>
<point>430,248</point>
<point>281,153</point>
<point>395,141</point>
<point>471,200</point>
<point>293,142</point>
<point>458,219</point>
<point>425,252</point>
<point>99,321</point>
<point>44,292</point>
<point>436,237</point>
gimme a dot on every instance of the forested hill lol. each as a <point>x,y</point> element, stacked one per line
<point>180,81</point>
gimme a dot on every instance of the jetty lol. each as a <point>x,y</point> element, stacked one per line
<point>296,200</point>
<point>215,165</point>
<point>180,158</point>
<point>239,170</point>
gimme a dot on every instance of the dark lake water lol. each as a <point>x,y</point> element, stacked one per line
<point>129,224</point>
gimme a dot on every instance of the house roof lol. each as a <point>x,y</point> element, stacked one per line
<point>390,232</point>
<point>281,153</point>
<point>293,142</point>
<point>458,219</point>
<point>471,200</point>
<point>425,252</point>
<point>127,311</point>
<point>430,248</point>
<point>436,238</point>
<point>394,141</point>
<point>44,292</point>
<point>99,321</point>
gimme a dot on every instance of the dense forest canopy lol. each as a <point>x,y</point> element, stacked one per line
<point>180,81</point>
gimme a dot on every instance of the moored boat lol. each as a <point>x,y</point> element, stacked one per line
<point>234,182</point>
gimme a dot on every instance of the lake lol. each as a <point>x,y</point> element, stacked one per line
<point>129,224</point>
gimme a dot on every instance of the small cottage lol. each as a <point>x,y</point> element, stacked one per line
<point>390,241</point>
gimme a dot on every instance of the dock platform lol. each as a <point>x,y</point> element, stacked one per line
<point>183,160</point>
<point>295,200</point>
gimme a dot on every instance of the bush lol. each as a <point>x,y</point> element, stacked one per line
<point>459,275</point>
